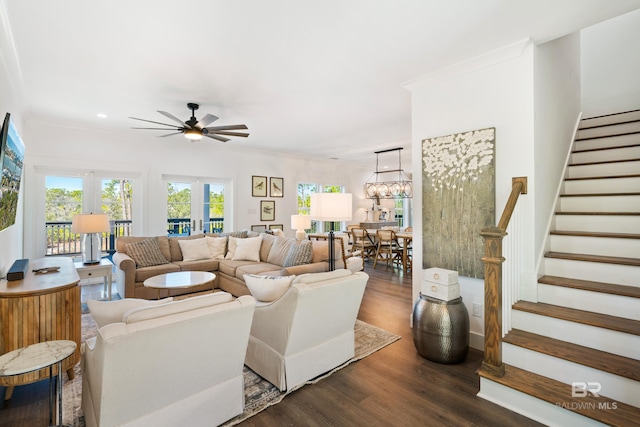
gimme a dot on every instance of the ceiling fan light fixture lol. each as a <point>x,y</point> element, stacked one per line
<point>193,134</point>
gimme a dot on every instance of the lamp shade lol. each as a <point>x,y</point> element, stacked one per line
<point>300,222</point>
<point>331,206</point>
<point>90,223</point>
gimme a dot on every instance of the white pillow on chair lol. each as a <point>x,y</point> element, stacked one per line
<point>106,312</point>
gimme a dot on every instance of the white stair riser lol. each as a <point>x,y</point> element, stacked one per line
<point>610,119</point>
<point>603,185</point>
<point>600,223</point>
<point>611,141</point>
<point>612,386</point>
<point>606,155</point>
<point>607,246</point>
<point>546,413</point>
<point>604,169</point>
<point>595,271</point>
<point>597,302</point>
<point>585,335</point>
<point>600,204</point>
<point>609,130</point>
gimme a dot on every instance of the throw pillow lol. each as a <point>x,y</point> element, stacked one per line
<point>217,246</point>
<point>174,307</point>
<point>267,288</point>
<point>106,312</point>
<point>280,250</point>
<point>146,253</point>
<point>299,253</point>
<point>248,249</point>
<point>231,247</point>
<point>193,250</point>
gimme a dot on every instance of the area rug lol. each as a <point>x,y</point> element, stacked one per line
<point>259,393</point>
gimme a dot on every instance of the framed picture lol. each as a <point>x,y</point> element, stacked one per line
<point>276,227</point>
<point>259,228</point>
<point>276,187</point>
<point>259,186</point>
<point>267,210</point>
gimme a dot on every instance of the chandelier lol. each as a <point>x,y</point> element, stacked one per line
<point>389,189</point>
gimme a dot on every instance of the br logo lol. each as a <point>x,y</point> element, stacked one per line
<point>582,389</point>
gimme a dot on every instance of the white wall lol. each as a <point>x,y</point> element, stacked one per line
<point>494,90</point>
<point>557,111</point>
<point>11,100</point>
<point>611,66</point>
<point>139,153</point>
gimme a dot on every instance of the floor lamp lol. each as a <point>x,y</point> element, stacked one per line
<point>331,207</point>
<point>92,226</point>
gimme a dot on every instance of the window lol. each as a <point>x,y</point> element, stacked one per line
<point>304,206</point>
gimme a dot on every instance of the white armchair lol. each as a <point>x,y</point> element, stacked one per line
<point>178,363</point>
<point>309,330</point>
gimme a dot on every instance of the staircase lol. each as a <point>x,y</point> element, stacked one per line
<point>585,327</point>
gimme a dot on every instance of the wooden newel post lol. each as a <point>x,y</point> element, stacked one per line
<point>493,260</point>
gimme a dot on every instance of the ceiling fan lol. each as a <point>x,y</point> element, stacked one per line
<point>195,129</point>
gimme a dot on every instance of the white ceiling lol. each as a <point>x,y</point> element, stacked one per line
<point>320,79</point>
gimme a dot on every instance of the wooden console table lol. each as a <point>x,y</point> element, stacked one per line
<point>42,307</point>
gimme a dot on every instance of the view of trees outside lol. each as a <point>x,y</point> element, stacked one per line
<point>63,200</point>
<point>179,205</point>
<point>304,201</point>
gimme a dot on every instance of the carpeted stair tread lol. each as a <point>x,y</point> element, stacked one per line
<point>597,359</point>
<point>588,150</point>
<point>594,258</point>
<point>595,234</point>
<point>603,162</point>
<point>600,213</point>
<point>590,318</point>
<point>602,409</point>
<point>599,194</point>
<point>613,134</point>
<point>582,178</point>
<point>588,285</point>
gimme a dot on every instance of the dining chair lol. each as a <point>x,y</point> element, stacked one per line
<point>362,242</point>
<point>388,249</point>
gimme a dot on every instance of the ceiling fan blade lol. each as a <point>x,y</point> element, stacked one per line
<point>206,120</point>
<point>219,138</point>
<point>169,134</point>
<point>220,132</point>
<point>176,128</point>
<point>229,127</point>
<point>158,123</point>
<point>172,117</point>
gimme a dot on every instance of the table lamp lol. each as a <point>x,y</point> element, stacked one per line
<point>331,207</point>
<point>92,226</point>
<point>300,223</point>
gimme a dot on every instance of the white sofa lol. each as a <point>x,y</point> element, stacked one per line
<point>308,330</point>
<point>168,364</point>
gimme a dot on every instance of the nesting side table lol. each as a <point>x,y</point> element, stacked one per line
<point>36,357</point>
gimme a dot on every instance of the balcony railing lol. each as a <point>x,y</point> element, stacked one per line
<point>61,241</point>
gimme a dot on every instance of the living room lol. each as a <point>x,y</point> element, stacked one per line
<point>514,96</point>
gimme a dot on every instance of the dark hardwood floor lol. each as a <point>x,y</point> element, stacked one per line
<point>393,387</point>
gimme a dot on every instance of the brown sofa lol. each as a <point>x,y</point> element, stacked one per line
<point>229,273</point>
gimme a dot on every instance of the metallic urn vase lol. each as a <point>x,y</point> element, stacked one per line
<point>441,329</point>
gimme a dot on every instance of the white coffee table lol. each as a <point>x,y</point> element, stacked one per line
<point>38,356</point>
<point>179,280</point>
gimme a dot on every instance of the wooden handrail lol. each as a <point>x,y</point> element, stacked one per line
<point>493,260</point>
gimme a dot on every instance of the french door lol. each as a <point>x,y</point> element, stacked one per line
<point>67,193</point>
<point>195,205</point>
